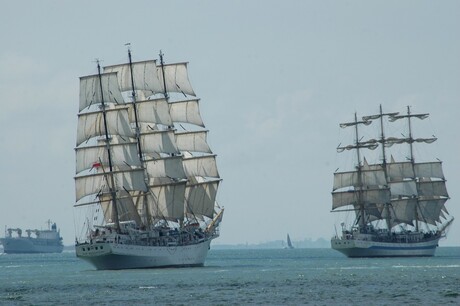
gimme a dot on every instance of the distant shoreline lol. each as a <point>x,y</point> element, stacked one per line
<point>277,244</point>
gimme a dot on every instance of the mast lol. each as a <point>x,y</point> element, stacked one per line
<point>107,139</point>
<point>360,184</point>
<point>384,165</point>
<point>357,146</point>
<point>410,140</point>
<point>133,93</point>
<point>138,132</point>
<point>165,92</point>
<point>412,161</point>
<point>384,160</point>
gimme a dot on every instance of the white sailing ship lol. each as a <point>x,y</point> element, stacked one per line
<point>399,206</point>
<point>36,241</point>
<point>144,170</point>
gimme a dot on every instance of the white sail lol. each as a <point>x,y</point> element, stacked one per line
<point>167,167</point>
<point>91,124</point>
<point>372,211</point>
<point>159,142</point>
<point>430,210</point>
<point>431,169</point>
<point>93,184</point>
<point>432,188</point>
<point>376,195</point>
<point>186,111</point>
<point>152,111</point>
<point>125,206</point>
<point>175,78</point>
<point>399,170</point>
<point>373,177</point>
<point>402,211</point>
<point>167,201</point>
<point>405,188</point>
<point>345,198</point>
<point>194,141</point>
<point>340,199</point>
<point>90,90</point>
<point>345,179</point>
<point>200,198</point>
<point>204,166</point>
<point>144,74</point>
<point>124,154</point>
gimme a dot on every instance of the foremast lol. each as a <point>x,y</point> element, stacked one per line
<point>109,154</point>
<point>359,197</point>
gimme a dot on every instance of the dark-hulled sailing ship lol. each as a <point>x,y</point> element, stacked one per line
<point>399,206</point>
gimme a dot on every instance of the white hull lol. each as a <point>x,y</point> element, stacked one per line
<point>114,256</point>
<point>22,245</point>
<point>368,248</point>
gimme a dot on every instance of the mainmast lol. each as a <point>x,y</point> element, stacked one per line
<point>107,140</point>
<point>412,160</point>
<point>133,94</point>
<point>165,91</point>
<point>138,135</point>
<point>382,140</point>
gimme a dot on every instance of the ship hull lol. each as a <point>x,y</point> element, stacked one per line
<point>30,245</point>
<point>114,256</point>
<point>367,248</point>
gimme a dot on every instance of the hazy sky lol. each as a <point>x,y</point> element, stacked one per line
<point>275,79</point>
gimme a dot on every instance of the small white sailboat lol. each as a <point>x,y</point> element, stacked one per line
<point>289,243</point>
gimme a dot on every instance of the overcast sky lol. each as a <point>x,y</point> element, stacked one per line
<point>275,79</point>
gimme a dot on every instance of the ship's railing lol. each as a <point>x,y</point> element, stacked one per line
<point>162,237</point>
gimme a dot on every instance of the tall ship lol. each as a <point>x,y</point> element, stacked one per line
<point>398,206</point>
<point>146,178</point>
<point>35,241</point>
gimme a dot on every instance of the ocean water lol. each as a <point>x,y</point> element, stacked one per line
<point>237,277</point>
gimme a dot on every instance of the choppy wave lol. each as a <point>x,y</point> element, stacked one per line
<point>264,277</point>
<point>427,266</point>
